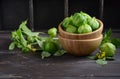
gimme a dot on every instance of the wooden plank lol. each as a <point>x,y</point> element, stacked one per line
<point>14,64</point>
<point>66,8</point>
<point>4,41</point>
<point>0,17</point>
<point>31,14</point>
<point>65,66</point>
<point>101,9</point>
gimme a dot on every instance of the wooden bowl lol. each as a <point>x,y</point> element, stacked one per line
<point>80,47</point>
<point>90,35</point>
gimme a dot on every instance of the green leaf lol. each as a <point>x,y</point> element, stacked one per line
<point>12,46</point>
<point>27,31</point>
<point>107,36</point>
<point>31,33</point>
<point>19,45</point>
<point>101,61</point>
<point>31,39</point>
<point>110,58</point>
<point>22,39</point>
<point>60,53</point>
<point>45,54</point>
<point>25,49</point>
<point>92,57</point>
<point>116,42</point>
<point>57,42</point>
<point>40,43</point>
<point>24,27</point>
<point>13,34</point>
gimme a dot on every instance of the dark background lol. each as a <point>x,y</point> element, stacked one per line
<point>49,13</point>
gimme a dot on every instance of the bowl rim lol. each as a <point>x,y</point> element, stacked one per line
<point>68,33</point>
<point>100,37</point>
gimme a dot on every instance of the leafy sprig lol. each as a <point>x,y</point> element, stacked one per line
<point>29,41</point>
<point>107,37</point>
<point>101,57</point>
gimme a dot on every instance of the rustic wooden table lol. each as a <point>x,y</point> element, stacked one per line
<point>16,65</point>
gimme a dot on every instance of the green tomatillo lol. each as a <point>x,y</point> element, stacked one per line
<point>52,32</point>
<point>78,19</point>
<point>50,47</point>
<point>85,28</point>
<point>93,23</point>
<point>109,49</point>
<point>71,29</point>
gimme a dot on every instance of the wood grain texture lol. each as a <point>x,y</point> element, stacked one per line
<point>80,47</point>
<point>16,65</point>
